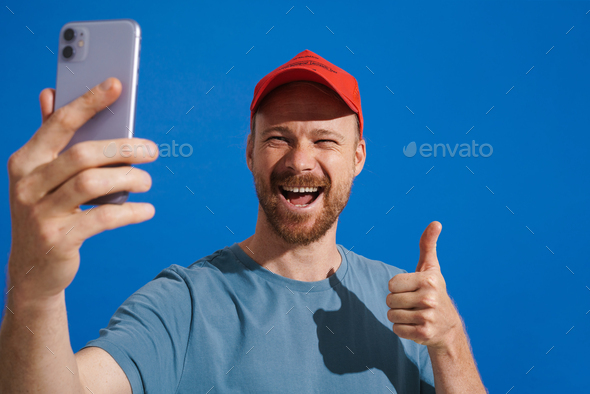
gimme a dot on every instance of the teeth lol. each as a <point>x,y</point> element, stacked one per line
<point>300,189</point>
<point>304,205</point>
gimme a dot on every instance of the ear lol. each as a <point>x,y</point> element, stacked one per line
<point>249,151</point>
<point>359,156</point>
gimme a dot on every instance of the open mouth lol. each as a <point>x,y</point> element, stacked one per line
<point>301,197</point>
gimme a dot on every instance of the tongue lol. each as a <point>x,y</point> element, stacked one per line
<point>300,198</point>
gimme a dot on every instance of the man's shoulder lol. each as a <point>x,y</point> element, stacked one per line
<point>213,265</point>
<point>370,266</point>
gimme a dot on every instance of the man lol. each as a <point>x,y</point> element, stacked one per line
<point>286,310</point>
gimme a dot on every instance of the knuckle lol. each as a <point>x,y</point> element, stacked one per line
<point>84,183</point>
<point>88,99</point>
<point>423,332</point>
<point>48,233</point>
<point>426,316</point>
<point>36,213</point>
<point>429,301</point>
<point>389,300</point>
<point>106,214</point>
<point>393,282</point>
<point>63,117</point>
<point>391,315</point>
<point>14,164</point>
<point>21,192</point>
<point>420,318</point>
<point>78,154</point>
<point>401,331</point>
<point>429,280</point>
<point>60,115</point>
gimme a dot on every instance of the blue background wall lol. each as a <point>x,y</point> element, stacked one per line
<point>447,65</point>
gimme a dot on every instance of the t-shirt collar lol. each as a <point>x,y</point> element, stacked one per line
<point>292,284</point>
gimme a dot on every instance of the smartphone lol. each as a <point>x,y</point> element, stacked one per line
<point>88,53</point>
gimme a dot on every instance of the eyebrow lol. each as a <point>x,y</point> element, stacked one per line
<point>316,132</point>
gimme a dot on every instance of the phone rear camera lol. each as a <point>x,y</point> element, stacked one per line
<point>68,52</point>
<point>69,34</point>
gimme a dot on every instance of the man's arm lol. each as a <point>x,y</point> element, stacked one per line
<point>100,372</point>
<point>48,228</point>
<point>36,355</point>
<point>454,367</point>
<point>422,311</point>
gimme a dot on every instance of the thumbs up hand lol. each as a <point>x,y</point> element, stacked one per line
<point>421,309</point>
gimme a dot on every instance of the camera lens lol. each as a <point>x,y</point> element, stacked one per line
<point>69,34</point>
<point>68,52</point>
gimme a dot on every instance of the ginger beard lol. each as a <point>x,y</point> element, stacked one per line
<point>301,228</point>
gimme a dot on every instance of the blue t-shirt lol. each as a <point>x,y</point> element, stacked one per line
<point>227,325</point>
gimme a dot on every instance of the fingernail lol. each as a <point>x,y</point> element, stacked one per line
<point>106,85</point>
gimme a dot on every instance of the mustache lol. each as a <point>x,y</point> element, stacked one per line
<point>306,180</point>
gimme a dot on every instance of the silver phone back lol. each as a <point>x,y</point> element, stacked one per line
<point>110,49</point>
<point>102,49</point>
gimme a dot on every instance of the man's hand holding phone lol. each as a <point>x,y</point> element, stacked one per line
<point>47,189</point>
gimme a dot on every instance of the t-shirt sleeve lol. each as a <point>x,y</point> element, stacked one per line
<point>148,334</point>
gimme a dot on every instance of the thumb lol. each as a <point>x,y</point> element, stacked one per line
<point>46,99</point>
<point>428,259</point>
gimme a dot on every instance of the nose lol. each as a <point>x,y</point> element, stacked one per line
<point>300,158</point>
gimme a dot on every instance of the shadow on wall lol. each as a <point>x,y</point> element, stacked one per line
<point>376,346</point>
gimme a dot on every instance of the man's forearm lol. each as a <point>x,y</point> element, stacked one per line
<point>454,367</point>
<point>35,351</point>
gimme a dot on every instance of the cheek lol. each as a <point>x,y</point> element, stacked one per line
<point>339,160</point>
<point>267,157</point>
<point>332,162</point>
<point>341,170</point>
<point>262,169</point>
<point>262,161</point>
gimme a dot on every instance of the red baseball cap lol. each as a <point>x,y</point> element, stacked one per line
<point>307,66</point>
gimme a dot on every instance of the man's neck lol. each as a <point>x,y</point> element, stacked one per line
<point>310,263</point>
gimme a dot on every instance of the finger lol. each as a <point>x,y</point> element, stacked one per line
<point>85,155</point>
<point>404,282</point>
<point>428,259</point>
<point>92,183</point>
<point>110,216</point>
<point>46,99</point>
<point>56,132</point>
<point>407,300</point>
<point>404,316</point>
<point>407,331</point>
